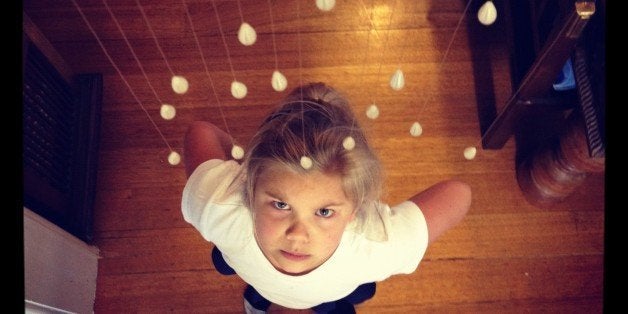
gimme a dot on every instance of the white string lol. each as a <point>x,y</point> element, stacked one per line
<point>240,11</point>
<point>370,18</point>
<point>272,29</point>
<point>119,72</point>
<point>137,60</point>
<point>211,82</point>
<point>366,52</point>
<point>440,64</point>
<point>379,69</point>
<point>154,37</point>
<point>224,41</point>
<point>368,37</point>
<point>469,152</point>
<point>306,162</point>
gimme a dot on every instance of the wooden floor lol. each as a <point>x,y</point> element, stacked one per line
<point>506,256</point>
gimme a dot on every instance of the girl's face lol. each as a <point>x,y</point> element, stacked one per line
<point>299,218</point>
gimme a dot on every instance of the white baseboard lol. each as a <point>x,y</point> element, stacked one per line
<point>60,270</point>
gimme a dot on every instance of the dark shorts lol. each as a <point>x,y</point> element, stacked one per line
<point>344,305</point>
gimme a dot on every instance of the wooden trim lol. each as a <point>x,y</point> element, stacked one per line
<point>35,36</point>
<point>69,238</point>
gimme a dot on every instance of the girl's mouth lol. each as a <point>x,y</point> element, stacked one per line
<point>294,256</point>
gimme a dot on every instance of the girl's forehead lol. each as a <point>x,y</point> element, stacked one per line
<point>273,169</point>
<point>285,178</point>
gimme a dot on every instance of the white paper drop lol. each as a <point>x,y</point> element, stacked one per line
<point>174,158</point>
<point>238,89</point>
<point>246,34</point>
<point>237,152</point>
<point>372,112</point>
<point>416,129</point>
<point>279,81</point>
<point>469,152</point>
<point>167,111</point>
<point>179,84</point>
<point>348,143</point>
<point>397,81</point>
<point>487,13</point>
<point>325,5</point>
<point>306,162</point>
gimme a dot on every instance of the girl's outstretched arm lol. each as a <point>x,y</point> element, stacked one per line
<point>204,141</point>
<point>444,205</point>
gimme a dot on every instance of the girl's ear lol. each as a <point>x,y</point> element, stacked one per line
<point>353,214</point>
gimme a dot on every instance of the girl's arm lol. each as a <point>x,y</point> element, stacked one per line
<point>444,205</point>
<point>204,141</point>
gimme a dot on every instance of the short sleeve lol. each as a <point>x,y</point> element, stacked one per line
<point>400,253</point>
<point>204,202</point>
<point>408,236</point>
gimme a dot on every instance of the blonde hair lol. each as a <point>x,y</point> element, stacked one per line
<point>314,121</point>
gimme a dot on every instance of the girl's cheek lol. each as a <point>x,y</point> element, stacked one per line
<point>264,225</point>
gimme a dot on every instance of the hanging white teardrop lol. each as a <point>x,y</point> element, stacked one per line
<point>372,112</point>
<point>237,152</point>
<point>246,34</point>
<point>325,5</point>
<point>179,84</point>
<point>348,143</point>
<point>174,158</point>
<point>279,81</point>
<point>306,162</point>
<point>167,111</point>
<point>397,81</point>
<point>469,152</point>
<point>416,130</point>
<point>238,89</point>
<point>487,13</point>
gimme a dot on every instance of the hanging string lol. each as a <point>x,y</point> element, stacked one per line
<point>224,41</point>
<point>368,37</point>
<point>236,151</point>
<point>102,46</point>
<point>381,58</point>
<point>299,50</point>
<point>278,80</point>
<point>370,17</point>
<point>246,34</point>
<point>179,83</point>
<point>238,89</point>
<point>372,111</point>
<point>306,162</point>
<point>137,60</point>
<point>272,30</point>
<point>239,11</point>
<point>154,37</point>
<point>442,61</point>
<point>349,142</point>
<point>416,129</point>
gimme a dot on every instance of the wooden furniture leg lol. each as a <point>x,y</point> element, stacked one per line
<point>556,170</point>
<point>543,72</point>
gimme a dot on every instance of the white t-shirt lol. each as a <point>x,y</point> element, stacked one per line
<point>225,221</point>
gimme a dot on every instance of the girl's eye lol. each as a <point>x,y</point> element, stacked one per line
<point>281,205</point>
<point>325,212</point>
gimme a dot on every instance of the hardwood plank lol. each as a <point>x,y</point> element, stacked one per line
<point>190,292</point>
<point>579,305</point>
<point>525,280</point>
<point>529,282</point>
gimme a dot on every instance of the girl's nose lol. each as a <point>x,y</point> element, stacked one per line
<point>298,232</point>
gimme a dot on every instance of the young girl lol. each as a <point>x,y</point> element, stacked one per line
<point>300,220</point>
